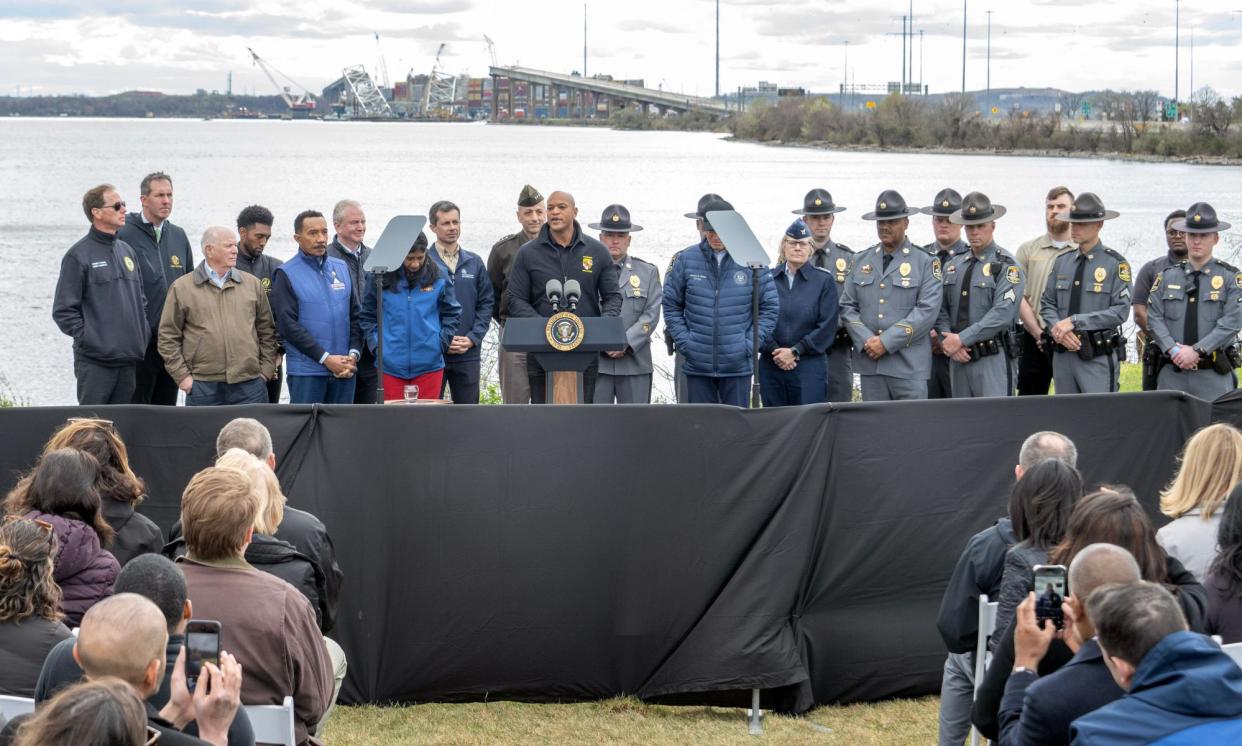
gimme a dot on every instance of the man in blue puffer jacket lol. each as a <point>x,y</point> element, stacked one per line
<point>1181,688</point>
<point>707,310</point>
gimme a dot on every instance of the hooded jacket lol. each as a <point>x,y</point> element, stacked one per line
<point>83,569</point>
<point>1186,690</point>
<point>418,325</point>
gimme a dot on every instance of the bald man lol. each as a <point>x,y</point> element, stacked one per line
<point>125,636</point>
<point>216,334</point>
<point>562,252</point>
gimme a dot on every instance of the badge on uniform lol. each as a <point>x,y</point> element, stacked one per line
<point>841,265</point>
<point>646,328</point>
<point>129,264</point>
<point>1214,295</point>
<point>175,262</point>
<point>987,269</point>
<point>904,269</point>
<point>587,262</point>
<point>634,280</point>
<point>1013,275</point>
<point>1100,274</point>
<point>1218,282</point>
<point>1123,271</point>
<point>866,270</point>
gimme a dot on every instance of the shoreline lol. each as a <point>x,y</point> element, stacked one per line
<point>1192,160</point>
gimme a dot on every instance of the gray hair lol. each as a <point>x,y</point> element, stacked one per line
<point>338,211</point>
<point>1131,619</point>
<point>1046,445</point>
<point>1101,564</point>
<point>213,235</point>
<point>245,433</point>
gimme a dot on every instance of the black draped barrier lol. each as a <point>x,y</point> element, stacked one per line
<point>681,553</point>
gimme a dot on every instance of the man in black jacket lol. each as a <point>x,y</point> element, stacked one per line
<point>562,252</point>
<point>350,224</point>
<point>164,254</point>
<point>100,304</point>
<point>1038,711</point>
<point>254,228</point>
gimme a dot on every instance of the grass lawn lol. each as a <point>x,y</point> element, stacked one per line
<point>628,721</point>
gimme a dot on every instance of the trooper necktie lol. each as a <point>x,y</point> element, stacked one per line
<point>1076,291</point>
<point>821,258</point>
<point>888,259</point>
<point>1190,334</point>
<point>963,303</point>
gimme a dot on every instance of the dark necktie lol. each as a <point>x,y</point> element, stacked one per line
<point>963,303</point>
<point>821,258</point>
<point>888,259</point>
<point>1191,330</point>
<point>1076,291</point>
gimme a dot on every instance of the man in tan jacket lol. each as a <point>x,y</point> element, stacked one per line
<point>216,334</point>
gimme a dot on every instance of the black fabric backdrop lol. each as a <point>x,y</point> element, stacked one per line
<point>680,553</point>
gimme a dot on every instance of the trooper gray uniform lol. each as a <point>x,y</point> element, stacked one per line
<point>1201,308</point>
<point>1092,288</point>
<point>981,300</point>
<point>627,380</point>
<point>836,259</point>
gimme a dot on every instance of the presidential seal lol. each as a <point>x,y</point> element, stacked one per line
<point>565,331</point>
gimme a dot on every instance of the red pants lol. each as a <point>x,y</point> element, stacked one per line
<point>428,385</point>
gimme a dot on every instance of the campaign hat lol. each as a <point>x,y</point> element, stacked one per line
<point>890,205</point>
<point>615,219</point>
<point>1201,218</point>
<point>977,209</point>
<point>1087,208</point>
<point>818,202</point>
<point>701,210</point>
<point>947,202</point>
<point>715,205</point>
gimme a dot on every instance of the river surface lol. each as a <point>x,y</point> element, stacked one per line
<point>395,168</point>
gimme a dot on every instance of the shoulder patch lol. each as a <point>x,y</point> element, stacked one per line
<point>1013,275</point>
<point>1238,280</point>
<point>936,269</point>
<point>1123,271</point>
<point>1155,284</point>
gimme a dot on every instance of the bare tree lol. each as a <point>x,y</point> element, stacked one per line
<point>1145,103</point>
<point>1071,103</point>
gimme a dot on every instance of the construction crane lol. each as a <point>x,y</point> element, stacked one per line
<point>491,49</point>
<point>440,91</point>
<point>381,65</point>
<point>302,102</point>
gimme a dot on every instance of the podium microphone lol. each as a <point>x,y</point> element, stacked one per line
<point>573,291</point>
<point>554,290</point>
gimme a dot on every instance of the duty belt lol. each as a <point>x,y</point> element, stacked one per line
<point>986,348</point>
<point>1222,361</point>
<point>1096,342</point>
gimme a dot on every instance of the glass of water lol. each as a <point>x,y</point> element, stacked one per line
<point>411,393</point>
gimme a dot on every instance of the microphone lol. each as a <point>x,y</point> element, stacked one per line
<point>554,290</point>
<point>573,291</point>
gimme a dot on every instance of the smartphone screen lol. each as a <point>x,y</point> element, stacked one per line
<point>202,644</point>
<point>1051,588</point>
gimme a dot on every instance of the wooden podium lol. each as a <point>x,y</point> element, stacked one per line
<point>564,345</point>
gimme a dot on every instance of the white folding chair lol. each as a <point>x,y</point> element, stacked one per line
<point>273,724</point>
<point>1234,649</point>
<point>987,625</point>
<point>14,706</point>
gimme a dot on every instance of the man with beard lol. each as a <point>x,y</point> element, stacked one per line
<point>891,302</point>
<point>254,228</point>
<point>1176,242</point>
<point>947,245</point>
<point>1035,257</point>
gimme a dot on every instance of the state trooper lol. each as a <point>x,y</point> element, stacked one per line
<point>982,292</point>
<point>625,375</point>
<point>1086,301</point>
<point>818,212</point>
<point>891,302</point>
<point>947,245</point>
<point>1194,312</point>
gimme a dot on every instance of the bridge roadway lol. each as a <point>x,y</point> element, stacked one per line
<point>619,92</point>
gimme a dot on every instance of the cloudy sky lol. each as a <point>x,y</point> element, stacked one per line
<point>70,46</point>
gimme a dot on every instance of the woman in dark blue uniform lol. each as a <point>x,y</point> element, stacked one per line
<point>794,367</point>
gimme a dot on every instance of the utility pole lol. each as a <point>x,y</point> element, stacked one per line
<point>1177,57</point>
<point>989,53</point>
<point>845,72</point>
<point>584,40</point>
<point>922,90</point>
<point>717,47</point>
<point>903,55</point>
<point>1192,62</point>
<point>963,46</point>
<point>910,72</point>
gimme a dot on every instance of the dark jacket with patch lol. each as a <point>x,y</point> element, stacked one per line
<point>99,300</point>
<point>162,262</point>
<point>585,260</point>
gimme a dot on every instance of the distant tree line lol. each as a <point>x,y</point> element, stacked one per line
<point>139,104</point>
<point>1128,122</point>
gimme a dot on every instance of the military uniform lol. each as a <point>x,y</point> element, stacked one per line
<point>1201,308</point>
<point>981,299</point>
<point>837,259</point>
<point>514,385</point>
<point>1092,287</point>
<point>940,385</point>
<point>627,380</point>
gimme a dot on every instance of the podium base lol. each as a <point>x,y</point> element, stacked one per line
<point>564,387</point>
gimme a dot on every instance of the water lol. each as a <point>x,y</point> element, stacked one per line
<point>221,166</point>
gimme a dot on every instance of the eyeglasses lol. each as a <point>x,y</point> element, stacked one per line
<point>98,421</point>
<point>1176,234</point>
<point>118,206</point>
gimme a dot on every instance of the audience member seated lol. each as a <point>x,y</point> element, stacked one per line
<point>102,712</point>
<point>1224,580</point>
<point>61,491</point>
<point>1211,465</point>
<point>1181,688</point>
<point>1049,490</point>
<point>1038,711</point>
<point>268,624</point>
<point>30,615</point>
<point>120,489</point>
<point>979,571</point>
<point>126,636</point>
<point>1109,516</point>
<point>155,578</point>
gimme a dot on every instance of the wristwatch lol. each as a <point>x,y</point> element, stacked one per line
<point>1023,669</point>
<point>797,355</point>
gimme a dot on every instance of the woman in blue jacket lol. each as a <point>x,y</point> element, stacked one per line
<point>794,366</point>
<point>420,318</point>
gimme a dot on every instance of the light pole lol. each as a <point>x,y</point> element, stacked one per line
<point>845,73</point>
<point>910,73</point>
<point>989,53</point>
<point>903,55</point>
<point>717,47</point>
<point>963,46</point>
<point>1177,38</point>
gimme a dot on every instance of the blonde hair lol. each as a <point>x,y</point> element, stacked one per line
<point>1210,466</point>
<point>266,487</point>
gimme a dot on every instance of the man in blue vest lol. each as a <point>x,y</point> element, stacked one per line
<point>317,316</point>
<point>350,224</point>
<point>473,289</point>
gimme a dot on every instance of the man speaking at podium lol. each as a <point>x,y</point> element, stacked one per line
<point>562,252</point>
